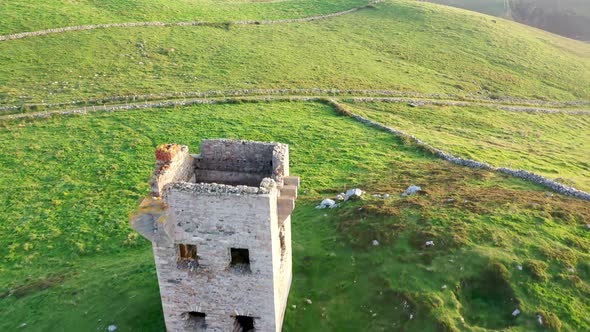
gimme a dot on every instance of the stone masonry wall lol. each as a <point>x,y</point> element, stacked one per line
<point>215,223</point>
<point>240,162</point>
<point>216,217</point>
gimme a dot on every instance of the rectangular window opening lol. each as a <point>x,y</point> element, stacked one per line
<point>282,241</point>
<point>187,256</point>
<point>244,324</point>
<point>195,321</point>
<point>240,259</point>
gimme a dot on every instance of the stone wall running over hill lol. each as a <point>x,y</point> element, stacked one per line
<point>170,24</point>
<point>522,174</point>
<point>369,95</point>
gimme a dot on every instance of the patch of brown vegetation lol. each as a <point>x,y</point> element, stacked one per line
<point>362,226</point>
<point>454,186</point>
<point>166,152</point>
<point>34,286</point>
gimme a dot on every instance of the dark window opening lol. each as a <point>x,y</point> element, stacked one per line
<point>244,324</point>
<point>195,321</point>
<point>240,259</point>
<point>187,256</point>
<point>282,241</point>
<point>188,251</point>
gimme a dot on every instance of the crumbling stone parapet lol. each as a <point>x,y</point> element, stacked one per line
<point>173,164</point>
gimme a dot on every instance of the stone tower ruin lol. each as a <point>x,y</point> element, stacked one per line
<point>220,226</point>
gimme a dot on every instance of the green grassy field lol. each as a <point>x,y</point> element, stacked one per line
<point>69,261</point>
<point>399,45</point>
<point>553,145</point>
<point>66,245</point>
<point>22,15</point>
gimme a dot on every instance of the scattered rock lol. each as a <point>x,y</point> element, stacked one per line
<point>519,267</point>
<point>516,312</point>
<point>340,197</point>
<point>308,301</point>
<point>416,104</point>
<point>294,306</point>
<point>326,203</point>
<point>353,194</point>
<point>22,325</point>
<point>571,270</point>
<point>540,319</point>
<point>375,243</point>
<point>444,287</point>
<point>413,190</point>
<point>385,196</point>
<point>588,226</point>
<point>112,328</point>
<point>430,243</point>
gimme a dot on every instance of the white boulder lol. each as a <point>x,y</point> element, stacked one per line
<point>355,193</point>
<point>411,191</point>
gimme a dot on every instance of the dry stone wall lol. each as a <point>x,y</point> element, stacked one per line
<point>170,24</point>
<point>522,174</point>
<point>370,95</point>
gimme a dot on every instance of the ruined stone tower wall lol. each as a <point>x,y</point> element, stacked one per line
<point>240,162</point>
<point>235,195</point>
<point>209,220</point>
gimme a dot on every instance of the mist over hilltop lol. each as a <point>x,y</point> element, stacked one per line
<point>569,18</point>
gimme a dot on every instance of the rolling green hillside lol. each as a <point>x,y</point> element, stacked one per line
<point>24,15</point>
<point>69,261</point>
<point>71,258</point>
<point>398,45</point>
<point>554,145</point>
